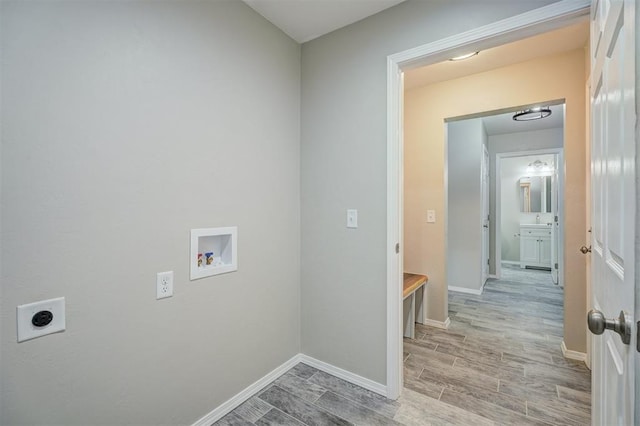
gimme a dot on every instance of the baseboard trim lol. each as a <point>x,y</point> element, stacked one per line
<point>477,292</point>
<point>345,375</point>
<point>438,324</point>
<point>578,356</point>
<point>510,262</point>
<point>235,401</point>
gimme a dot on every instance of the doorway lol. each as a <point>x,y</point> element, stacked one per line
<point>530,234</point>
<point>544,19</point>
<point>485,220</point>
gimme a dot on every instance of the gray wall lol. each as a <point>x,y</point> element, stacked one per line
<point>514,142</point>
<point>126,124</point>
<point>343,165</point>
<point>465,140</point>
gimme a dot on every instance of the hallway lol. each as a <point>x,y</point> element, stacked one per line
<point>501,356</point>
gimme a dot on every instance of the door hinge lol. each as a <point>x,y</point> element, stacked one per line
<point>488,262</point>
<point>397,248</point>
<point>555,218</point>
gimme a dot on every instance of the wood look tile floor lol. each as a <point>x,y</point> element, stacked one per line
<point>501,357</point>
<point>499,363</point>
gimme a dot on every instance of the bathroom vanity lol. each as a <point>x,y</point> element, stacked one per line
<point>535,245</point>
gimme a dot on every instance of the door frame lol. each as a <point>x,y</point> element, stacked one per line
<point>537,21</point>
<point>559,152</point>
<point>485,199</point>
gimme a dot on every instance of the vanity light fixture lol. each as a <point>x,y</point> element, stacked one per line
<point>538,167</point>
<point>463,57</point>
<point>532,114</point>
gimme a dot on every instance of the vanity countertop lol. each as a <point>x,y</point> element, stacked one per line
<point>535,225</point>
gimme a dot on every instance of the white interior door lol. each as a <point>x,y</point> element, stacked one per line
<point>613,206</point>
<point>485,214</point>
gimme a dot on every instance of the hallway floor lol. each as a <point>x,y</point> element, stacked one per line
<point>501,356</point>
<point>499,363</point>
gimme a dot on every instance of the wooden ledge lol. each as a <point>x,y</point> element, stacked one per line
<point>412,282</point>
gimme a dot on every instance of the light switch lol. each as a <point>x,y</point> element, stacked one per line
<point>431,216</point>
<point>352,218</point>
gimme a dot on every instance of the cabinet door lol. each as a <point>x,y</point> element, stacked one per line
<point>545,251</point>
<point>528,250</point>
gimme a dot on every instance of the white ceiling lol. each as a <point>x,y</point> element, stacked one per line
<point>503,123</point>
<point>304,20</point>
<point>562,40</point>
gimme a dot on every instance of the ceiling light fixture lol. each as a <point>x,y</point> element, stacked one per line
<point>532,114</point>
<point>463,57</point>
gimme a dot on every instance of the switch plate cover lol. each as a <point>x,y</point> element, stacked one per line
<point>25,313</point>
<point>431,216</point>
<point>352,218</point>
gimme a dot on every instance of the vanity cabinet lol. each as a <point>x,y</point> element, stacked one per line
<point>535,246</point>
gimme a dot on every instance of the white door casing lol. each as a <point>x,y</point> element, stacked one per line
<point>555,240</point>
<point>485,215</point>
<point>613,210</point>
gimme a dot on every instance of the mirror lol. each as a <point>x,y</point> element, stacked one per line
<point>535,194</point>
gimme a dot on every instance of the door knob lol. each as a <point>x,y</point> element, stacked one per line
<point>622,325</point>
<point>585,249</point>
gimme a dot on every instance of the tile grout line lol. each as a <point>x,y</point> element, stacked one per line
<point>352,402</point>
<point>344,396</point>
<point>265,402</point>
<point>318,398</point>
<point>314,404</point>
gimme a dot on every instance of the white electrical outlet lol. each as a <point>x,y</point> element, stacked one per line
<point>164,284</point>
<point>40,318</point>
<point>431,216</point>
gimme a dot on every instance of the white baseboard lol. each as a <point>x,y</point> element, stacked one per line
<point>247,393</point>
<point>477,292</point>
<point>438,324</point>
<point>510,262</point>
<point>578,356</point>
<point>235,401</point>
<point>493,276</point>
<point>345,375</point>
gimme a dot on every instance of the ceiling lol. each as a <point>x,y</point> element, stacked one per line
<point>561,40</point>
<point>304,20</point>
<point>503,123</point>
